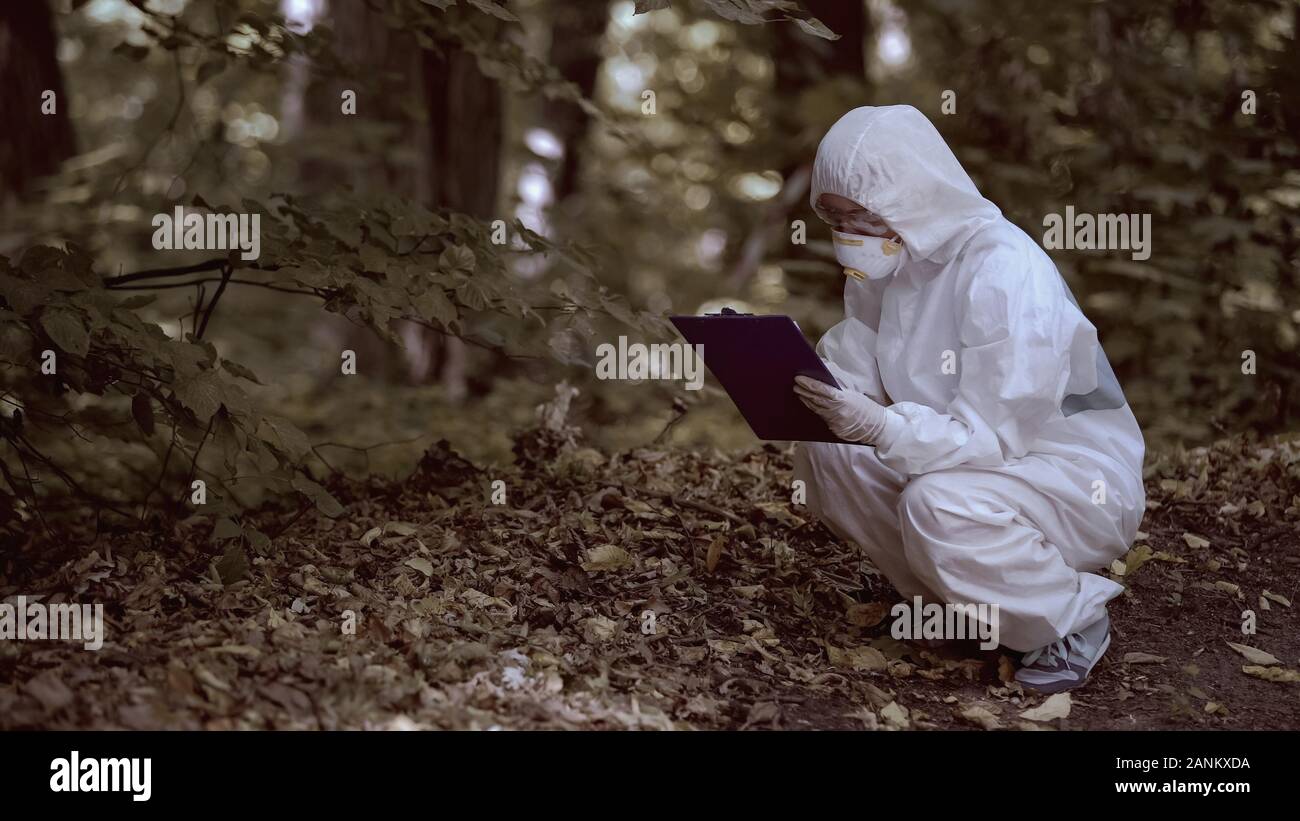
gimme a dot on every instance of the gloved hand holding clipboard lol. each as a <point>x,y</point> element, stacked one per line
<point>756,360</point>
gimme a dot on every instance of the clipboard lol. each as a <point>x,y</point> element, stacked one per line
<point>756,358</point>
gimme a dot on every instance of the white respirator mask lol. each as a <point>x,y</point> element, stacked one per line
<point>865,257</point>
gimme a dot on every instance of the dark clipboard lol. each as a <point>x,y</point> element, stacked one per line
<point>756,359</point>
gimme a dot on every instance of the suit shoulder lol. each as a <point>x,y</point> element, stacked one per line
<point>1000,257</point>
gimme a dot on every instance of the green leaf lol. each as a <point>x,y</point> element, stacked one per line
<point>226,528</point>
<point>488,7</point>
<point>24,296</point>
<point>137,301</point>
<point>817,28</point>
<point>202,393</point>
<point>737,12</point>
<point>240,371</point>
<point>457,258</point>
<point>473,295</point>
<point>233,566</point>
<point>319,496</point>
<point>434,306</point>
<point>284,436</point>
<point>37,259</point>
<point>188,359</point>
<point>257,540</point>
<point>68,330</point>
<point>374,259</point>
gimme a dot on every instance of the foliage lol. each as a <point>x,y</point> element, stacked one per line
<point>1137,108</point>
<point>753,13</point>
<point>377,265</point>
<point>645,589</point>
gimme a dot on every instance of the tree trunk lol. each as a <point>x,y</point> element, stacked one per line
<point>34,144</point>
<point>465,126</point>
<point>466,122</point>
<point>388,68</point>
<point>576,35</point>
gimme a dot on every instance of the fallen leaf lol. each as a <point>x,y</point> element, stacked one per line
<point>867,718</point>
<point>895,715</point>
<point>205,676</point>
<point>1274,597</point>
<point>1136,557</point>
<point>1144,658</point>
<point>1195,542</point>
<point>1228,587</point>
<point>779,512</point>
<point>598,629</point>
<point>420,564</point>
<point>1279,674</point>
<point>725,647</point>
<point>867,615</point>
<point>1253,655</point>
<point>245,650</point>
<point>233,566</point>
<point>1056,706</point>
<point>981,717</point>
<point>49,690</point>
<point>1029,726</point>
<point>606,557</point>
<point>857,658</point>
<point>715,553</point>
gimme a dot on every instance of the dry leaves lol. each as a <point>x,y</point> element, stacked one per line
<point>606,557</point>
<point>1253,655</point>
<point>1055,707</point>
<point>652,589</point>
<point>1138,657</point>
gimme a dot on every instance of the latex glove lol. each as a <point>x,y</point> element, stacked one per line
<point>854,417</point>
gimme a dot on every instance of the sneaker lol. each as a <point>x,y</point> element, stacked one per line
<point>1065,664</point>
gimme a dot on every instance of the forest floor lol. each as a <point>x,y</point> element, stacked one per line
<point>533,613</point>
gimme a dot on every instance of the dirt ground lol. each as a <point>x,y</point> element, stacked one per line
<point>534,613</point>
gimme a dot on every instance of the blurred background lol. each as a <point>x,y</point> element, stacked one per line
<point>677,201</point>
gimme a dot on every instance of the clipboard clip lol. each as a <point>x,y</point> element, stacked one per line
<point>728,312</point>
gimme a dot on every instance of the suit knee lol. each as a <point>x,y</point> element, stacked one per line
<point>814,465</point>
<point>927,503</point>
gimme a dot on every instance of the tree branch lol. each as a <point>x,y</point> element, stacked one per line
<point>162,273</point>
<point>212,305</point>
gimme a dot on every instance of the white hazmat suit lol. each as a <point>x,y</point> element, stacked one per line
<point>1017,468</point>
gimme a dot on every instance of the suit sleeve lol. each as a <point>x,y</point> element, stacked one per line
<point>1014,365</point>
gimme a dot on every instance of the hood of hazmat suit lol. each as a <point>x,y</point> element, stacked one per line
<point>976,341</point>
